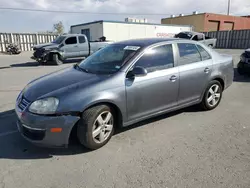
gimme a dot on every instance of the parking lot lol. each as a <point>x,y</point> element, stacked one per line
<point>188,148</point>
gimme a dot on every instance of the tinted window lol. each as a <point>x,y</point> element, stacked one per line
<point>195,38</point>
<point>188,53</point>
<point>204,54</point>
<point>157,58</point>
<point>198,37</point>
<point>81,39</point>
<point>71,40</point>
<point>184,35</point>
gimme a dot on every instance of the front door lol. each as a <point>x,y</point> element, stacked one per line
<point>195,66</point>
<point>70,47</point>
<point>158,90</point>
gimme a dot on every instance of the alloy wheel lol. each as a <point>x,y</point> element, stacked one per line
<point>102,127</point>
<point>214,95</point>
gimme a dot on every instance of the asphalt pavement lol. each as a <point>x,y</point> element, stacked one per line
<point>188,148</point>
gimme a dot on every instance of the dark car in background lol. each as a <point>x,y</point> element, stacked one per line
<point>119,85</point>
<point>243,66</point>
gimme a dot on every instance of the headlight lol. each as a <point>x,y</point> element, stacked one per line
<point>44,106</point>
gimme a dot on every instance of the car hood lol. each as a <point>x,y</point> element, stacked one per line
<point>66,80</point>
<point>45,45</point>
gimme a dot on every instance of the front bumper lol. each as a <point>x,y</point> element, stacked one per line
<point>36,128</point>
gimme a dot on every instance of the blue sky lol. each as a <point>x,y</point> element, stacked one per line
<point>23,21</point>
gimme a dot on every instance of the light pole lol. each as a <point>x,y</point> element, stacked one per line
<point>228,8</point>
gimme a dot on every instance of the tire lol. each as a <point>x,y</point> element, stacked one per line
<point>40,62</point>
<point>90,124</point>
<point>211,101</point>
<point>240,68</point>
<point>56,59</point>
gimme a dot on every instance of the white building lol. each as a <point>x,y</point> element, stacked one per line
<point>118,30</point>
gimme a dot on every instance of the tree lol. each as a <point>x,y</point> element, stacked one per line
<point>58,27</point>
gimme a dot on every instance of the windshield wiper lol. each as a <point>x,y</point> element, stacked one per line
<point>76,66</point>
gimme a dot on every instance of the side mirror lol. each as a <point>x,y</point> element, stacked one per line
<point>137,72</point>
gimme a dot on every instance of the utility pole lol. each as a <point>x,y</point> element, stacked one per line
<point>228,8</point>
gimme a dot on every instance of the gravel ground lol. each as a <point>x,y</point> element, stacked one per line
<point>188,148</point>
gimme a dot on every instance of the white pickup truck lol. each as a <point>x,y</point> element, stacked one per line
<point>65,47</point>
<point>200,37</point>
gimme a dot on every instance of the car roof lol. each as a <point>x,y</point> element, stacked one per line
<point>146,41</point>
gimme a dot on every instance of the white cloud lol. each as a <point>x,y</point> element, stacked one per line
<point>44,21</point>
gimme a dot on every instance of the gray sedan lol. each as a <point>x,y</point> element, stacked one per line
<point>119,85</point>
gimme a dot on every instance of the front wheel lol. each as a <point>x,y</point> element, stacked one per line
<point>56,59</point>
<point>212,96</point>
<point>96,126</point>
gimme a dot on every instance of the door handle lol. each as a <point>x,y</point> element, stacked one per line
<point>173,78</point>
<point>206,70</point>
<point>75,46</point>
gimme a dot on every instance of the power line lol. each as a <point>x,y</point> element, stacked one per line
<point>86,12</point>
<point>83,12</point>
<point>79,12</point>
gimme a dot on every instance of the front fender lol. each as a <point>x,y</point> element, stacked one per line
<point>80,101</point>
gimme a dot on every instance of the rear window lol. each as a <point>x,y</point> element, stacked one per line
<point>204,54</point>
<point>188,54</point>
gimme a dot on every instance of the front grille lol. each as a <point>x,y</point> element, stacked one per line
<point>23,104</point>
<point>33,134</point>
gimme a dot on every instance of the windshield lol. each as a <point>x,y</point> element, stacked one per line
<point>184,36</point>
<point>109,59</point>
<point>58,40</point>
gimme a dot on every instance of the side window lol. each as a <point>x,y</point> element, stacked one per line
<point>157,58</point>
<point>200,37</point>
<point>81,39</point>
<point>204,54</point>
<point>195,38</point>
<point>71,40</point>
<point>188,54</point>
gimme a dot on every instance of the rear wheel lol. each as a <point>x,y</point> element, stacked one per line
<point>96,127</point>
<point>212,96</point>
<point>57,60</point>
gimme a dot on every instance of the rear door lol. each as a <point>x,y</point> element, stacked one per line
<point>83,46</point>
<point>70,47</point>
<point>195,66</point>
